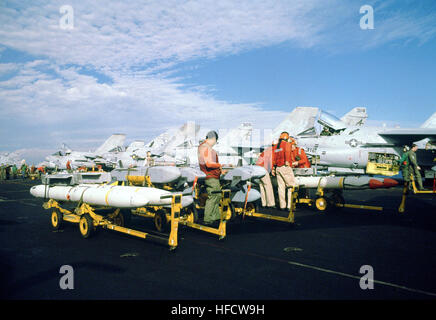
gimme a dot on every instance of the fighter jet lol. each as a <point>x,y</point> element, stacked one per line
<point>79,159</point>
<point>346,148</point>
<point>236,147</point>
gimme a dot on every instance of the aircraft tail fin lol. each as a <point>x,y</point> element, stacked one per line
<point>114,141</point>
<point>430,122</point>
<point>356,117</point>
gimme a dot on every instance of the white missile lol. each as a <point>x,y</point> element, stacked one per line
<point>157,174</point>
<point>190,173</point>
<point>246,173</point>
<point>187,200</point>
<point>348,182</point>
<point>104,195</point>
<point>257,172</point>
<point>239,196</point>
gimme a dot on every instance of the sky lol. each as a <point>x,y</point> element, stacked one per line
<point>142,67</point>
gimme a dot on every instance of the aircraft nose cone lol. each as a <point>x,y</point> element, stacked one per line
<point>374,184</point>
<point>389,183</point>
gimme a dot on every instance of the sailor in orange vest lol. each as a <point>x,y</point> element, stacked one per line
<point>266,190</point>
<point>68,166</point>
<point>282,168</point>
<point>208,161</point>
<point>299,156</point>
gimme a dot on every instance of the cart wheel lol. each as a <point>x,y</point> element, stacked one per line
<point>321,204</point>
<point>123,218</point>
<point>194,211</point>
<point>86,226</point>
<point>160,221</point>
<point>337,199</point>
<point>253,206</point>
<point>57,219</point>
<point>236,214</point>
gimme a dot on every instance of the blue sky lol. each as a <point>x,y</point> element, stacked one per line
<point>140,68</point>
<point>395,80</point>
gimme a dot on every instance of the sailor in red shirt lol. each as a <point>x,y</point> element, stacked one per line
<point>266,190</point>
<point>299,156</point>
<point>208,161</point>
<point>282,162</point>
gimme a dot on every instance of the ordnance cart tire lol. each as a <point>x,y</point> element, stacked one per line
<point>337,198</point>
<point>123,218</point>
<point>86,226</point>
<point>57,219</point>
<point>160,221</point>
<point>321,204</point>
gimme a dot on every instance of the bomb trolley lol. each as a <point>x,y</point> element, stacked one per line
<point>335,199</point>
<point>89,218</point>
<point>250,209</point>
<point>188,216</point>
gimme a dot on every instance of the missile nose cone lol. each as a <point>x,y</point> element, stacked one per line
<point>375,183</point>
<point>389,183</point>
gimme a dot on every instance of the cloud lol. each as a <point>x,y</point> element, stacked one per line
<point>114,71</point>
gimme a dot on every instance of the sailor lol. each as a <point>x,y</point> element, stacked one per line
<point>266,189</point>
<point>14,171</point>
<point>282,168</point>
<point>40,171</point>
<point>68,166</point>
<point>8,172</point>
<point>325,132</point>
<point>23,169</point>
<point>208,162</point>
<point>150,160</point>
<point>299,156</point>
<point>404,165</point>
<point>413,166</point>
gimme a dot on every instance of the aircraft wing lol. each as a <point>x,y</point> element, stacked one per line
<point>402,137</point>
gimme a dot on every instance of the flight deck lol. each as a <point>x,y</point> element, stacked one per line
<point>317,257</point>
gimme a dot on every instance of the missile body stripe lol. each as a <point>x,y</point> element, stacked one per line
<point>107,195</point>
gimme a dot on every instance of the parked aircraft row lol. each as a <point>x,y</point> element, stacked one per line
<point>342,146</point>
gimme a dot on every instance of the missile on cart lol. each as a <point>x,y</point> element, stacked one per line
<point>239,196</point>
<point>157,174</point>
<point>349,182</point>
<point>187,200</point>
<point>190,173</point>
<point>245,173</point>
<point>104,195</point>
<point>76,178</point>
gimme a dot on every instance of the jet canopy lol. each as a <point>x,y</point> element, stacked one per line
<point>332,122</point>
<point>324,123</point>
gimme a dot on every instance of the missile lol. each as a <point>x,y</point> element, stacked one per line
<point>239,196</point>
<point>157,174</point>
<point>104,195</point>
<point>257,172</point>
<point>190,173</point>
<point>348,182</point>
<point>187,200</point>
<point>246,173</point>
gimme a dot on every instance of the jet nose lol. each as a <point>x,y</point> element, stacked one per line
<point>389,183</point>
